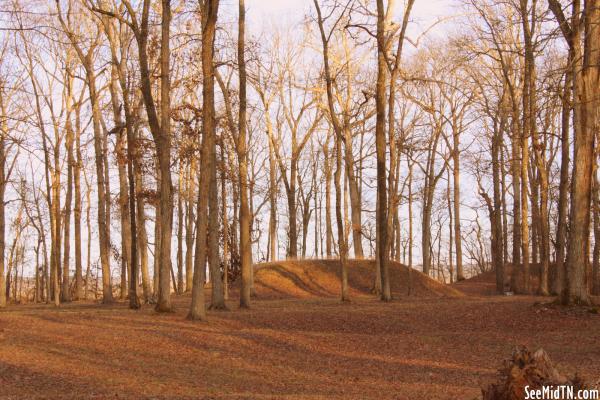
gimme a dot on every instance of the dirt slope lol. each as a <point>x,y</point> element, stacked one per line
<point>321,278</point>
<point>480,285</point>
<point>485,284</point>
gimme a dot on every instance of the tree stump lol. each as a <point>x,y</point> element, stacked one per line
<point>534,370</point>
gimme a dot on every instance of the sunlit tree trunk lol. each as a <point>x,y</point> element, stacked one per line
<point>65,293</point>
<point>245,223</point>
<point>595,276</point>
<point>3,134</point>
<point>225,222</point>
<point>142,234</point>
<point>586,75</point>
<point>217,294</point>
<point>180,223</point>
<point>209,21</point>
<point>87,61</point>
<point>79,289</point>
<point>273,242</point>
<point>189,225</point>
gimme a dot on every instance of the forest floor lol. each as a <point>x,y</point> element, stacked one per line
<point>301,347</point>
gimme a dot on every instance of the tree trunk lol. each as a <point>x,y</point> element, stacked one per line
<point>245,238</point>
<point>217,295</point>
<point>225,222</point>
<point>380,148</point>
<point>180,223</point>
<point>189,226</point>
<point>355,200</point>
<point>162,138</point>
<point>142,234</point>
<point>585,125</point>
<point>516,184</point>
<point>107,296</point>
<point>410,227</point>
<point>3,133</point>
<point>209,22</point>
<point>457,231</point>
<point>124,213</point>
<point>327,171</point>
<point>498,235</point>
<point>563,187</point>
<point>596,252</point>
<point>79,292</point>
<point>273,242</point>
<point>65,292</point>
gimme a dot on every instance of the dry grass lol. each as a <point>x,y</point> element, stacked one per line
<point>427,347</point>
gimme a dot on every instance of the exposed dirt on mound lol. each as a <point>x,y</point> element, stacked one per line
<point>480,285</point>
<point>321,278</point>
<point>485,284</point>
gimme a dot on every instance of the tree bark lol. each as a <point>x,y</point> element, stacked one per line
<point>380,148</point>
<point>180,223</point>
<point>189,226</point>
<point>209,21</point>
<point>245,239</point>
<point>563,187</point>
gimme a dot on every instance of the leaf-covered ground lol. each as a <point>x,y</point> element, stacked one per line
<point>418,348</point>
<point>297,342</point>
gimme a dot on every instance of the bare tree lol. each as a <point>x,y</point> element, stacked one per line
<point>209,14</point>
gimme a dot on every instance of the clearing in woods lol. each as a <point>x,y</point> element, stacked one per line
<point>297,342</point>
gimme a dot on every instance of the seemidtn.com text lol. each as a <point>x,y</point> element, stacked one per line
<point>564,392</point>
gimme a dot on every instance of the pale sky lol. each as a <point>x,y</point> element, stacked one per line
<point>424,13</point>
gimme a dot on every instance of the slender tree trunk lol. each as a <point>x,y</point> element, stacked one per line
<point>410,227</point>
<point>380,146</point>
<point>142,234</point>
<point>245,239</point>
<point>516,184</point>
<point>209,22</point>
<point>316,210</point>
<point>180,223</point>
<point>56,243</point>
<point>563,187</point>
<point>544,229</point>
<point>505,237</point>
<point>355,200</point>
<point>457,231</point>
<point>37,292</point>
<point>534,200</point>
<point>217,294</point>
<point>328,229</point>
<point>343,248</point>
<point>225,221</point>
<point>3,133</point>
<point>189,226</point>
<point>65,290</point>
<point>273,242</point>
<point>103,227</point>
<point>88,221</point>
<point>79,290</point>
<point>497,225</point>
<point>122,160</point>
<point>292,225</point>
<point>450,232</point>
